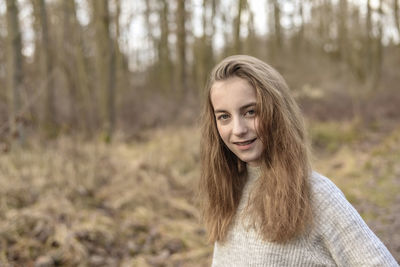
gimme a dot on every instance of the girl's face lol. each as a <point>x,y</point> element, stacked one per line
<point>234,103</point>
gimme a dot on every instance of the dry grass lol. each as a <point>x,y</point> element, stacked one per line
<point>77,203</point>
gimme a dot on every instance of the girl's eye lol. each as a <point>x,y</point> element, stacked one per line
<point>251,112</point>
<point>223,117</point>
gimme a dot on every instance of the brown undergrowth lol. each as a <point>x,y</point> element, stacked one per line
<point>75,203</point>
<point>71,202</point>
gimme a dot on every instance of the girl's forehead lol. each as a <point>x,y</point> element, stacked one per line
<point>229,84</point>
<point>231,93</point>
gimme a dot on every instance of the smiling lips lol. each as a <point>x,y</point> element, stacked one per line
<point>245,144</point>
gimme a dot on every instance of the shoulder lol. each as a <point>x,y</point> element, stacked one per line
<point>321,184</point>
<point>324,192</point>
<point>344,233</point>
<point>330,204</point>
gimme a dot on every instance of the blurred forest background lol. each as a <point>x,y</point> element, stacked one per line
<point>99,109</point>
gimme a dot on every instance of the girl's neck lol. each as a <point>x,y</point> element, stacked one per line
<point>253,171</point>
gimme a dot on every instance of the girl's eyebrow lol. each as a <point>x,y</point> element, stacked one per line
<point>241,108</point>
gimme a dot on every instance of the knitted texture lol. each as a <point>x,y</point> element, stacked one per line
<point>339,236</point>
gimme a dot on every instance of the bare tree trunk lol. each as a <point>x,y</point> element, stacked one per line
<point>396,15</point>
<point>320,11</point>
<point>204,38</point>
<point>226,33</point>
<point>203,48</point>
<point>237,46</point>
<point>15,72</point>
<point>368,41</point>
<point>298,37</point>
<point>214,7</point>
<point>181,48</point>
<point>67,60</point>
<point>378,59</point>
<point>251,46</point>
<point>325,21</point>
<point>274,25</point>
<point>277,25</point>
<point>149,28</point>
<point>46,57</point>
<point>120,60</point>
<point>163,48</point>
<point>300,42</point>
<point>88,108</point>
<point>105,58</point>
<point>199,49</point>
<point>342,35</point>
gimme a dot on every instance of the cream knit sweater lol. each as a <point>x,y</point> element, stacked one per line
<point>339,237</point>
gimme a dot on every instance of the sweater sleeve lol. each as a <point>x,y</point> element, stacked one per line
<point>344,233</point>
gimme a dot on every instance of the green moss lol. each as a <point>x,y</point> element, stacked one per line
<point>368,165</point>
<point>332,135</point>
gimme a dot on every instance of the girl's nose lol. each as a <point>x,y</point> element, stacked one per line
<point>239,127</point>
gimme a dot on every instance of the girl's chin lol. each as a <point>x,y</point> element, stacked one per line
<point>253,161</point>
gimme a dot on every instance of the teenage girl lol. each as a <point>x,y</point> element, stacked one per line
<point>262,205</point>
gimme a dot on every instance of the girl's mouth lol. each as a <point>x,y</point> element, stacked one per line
<point>245,143</point>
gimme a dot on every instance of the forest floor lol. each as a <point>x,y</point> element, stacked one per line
<point>71,202</point>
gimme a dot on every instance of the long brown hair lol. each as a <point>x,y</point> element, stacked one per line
<point>280,204</point>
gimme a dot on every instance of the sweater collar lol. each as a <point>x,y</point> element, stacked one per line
<point>253,172</point>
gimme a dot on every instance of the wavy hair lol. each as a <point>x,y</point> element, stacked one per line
<point>280,204</point>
